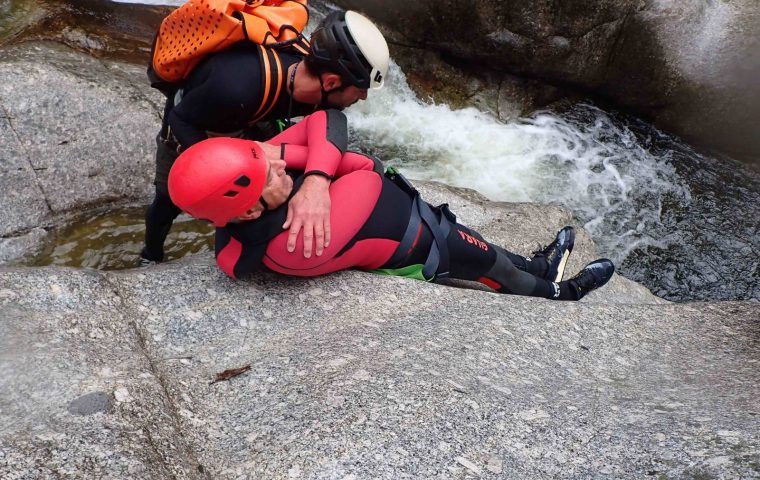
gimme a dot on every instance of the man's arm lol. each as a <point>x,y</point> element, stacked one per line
<point>295,157</point>
<point>316,143</point>
<point>297,149</point>
<point>325,135</point>
<point>183,126</point>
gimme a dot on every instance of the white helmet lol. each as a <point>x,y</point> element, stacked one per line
<point>349,44</point>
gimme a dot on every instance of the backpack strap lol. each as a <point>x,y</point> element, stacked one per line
<point>301,46</point>
<point>272,80</point>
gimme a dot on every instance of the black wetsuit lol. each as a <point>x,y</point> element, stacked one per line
<point>220,97</point>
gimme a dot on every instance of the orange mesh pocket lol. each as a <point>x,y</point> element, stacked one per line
<point>200,27</point>
<point>189,33</point>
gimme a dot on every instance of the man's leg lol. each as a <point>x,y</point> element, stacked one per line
<point>162,212</point>
<point>473,258</point>
<point>158,221</point>
<point>536,265</point>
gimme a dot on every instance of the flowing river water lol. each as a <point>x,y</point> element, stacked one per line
<point>684,224</point>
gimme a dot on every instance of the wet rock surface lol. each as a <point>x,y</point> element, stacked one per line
<point>76,131</point>
<point>689,66</point>
<point>370,376</point>
<point>17,16</point>
<point>103,28</point>
<point>92,403</point>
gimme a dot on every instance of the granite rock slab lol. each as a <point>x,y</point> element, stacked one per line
<point>78,396</point>
<point>80,133</point>
<point>355,375</point>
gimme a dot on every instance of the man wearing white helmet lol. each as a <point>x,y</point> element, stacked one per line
<point>346,44</point>
<point>234,93</point>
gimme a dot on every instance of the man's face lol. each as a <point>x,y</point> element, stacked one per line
<point>345,97</point>
<point>339,96</point>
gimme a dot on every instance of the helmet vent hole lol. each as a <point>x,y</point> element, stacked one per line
<point>242,181</point>
<point>231,193</point>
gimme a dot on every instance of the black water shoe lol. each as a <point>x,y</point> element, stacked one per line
<point>557,253</point>
<point>593,276</point>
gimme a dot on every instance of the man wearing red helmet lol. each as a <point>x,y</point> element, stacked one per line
<point>379,222</point>
<point>233,91</point>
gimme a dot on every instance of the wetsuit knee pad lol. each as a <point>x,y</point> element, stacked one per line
<point>353,198</point>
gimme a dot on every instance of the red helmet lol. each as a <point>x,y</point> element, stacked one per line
<point>218,179</point>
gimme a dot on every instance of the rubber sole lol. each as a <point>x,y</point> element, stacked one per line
<point>562,265</point>
<point>565,257</point>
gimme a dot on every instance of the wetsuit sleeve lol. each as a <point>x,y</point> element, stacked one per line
<point>237,257</point>
<point>353,161</point>
<point>349,162</point>
<point>240,247</point>
<point>220,97</point>
<point>228,252</point>
<point>316,144</point>
<point>300,142</point>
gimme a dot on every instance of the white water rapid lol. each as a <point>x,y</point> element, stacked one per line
<point>592,165</point>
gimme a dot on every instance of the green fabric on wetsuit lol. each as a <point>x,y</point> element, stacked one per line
<point>410,271</point>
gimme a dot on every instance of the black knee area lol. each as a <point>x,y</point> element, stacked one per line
<point>511,279</point>
<point>158,221</point>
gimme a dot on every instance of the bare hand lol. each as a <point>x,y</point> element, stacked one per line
<point>310,209</point>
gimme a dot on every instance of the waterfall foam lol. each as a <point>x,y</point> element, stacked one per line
<point>583,160</point>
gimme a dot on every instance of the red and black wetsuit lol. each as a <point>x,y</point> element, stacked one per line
<point>369,217</point>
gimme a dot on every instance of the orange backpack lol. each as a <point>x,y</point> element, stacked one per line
<point>201,27</point>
